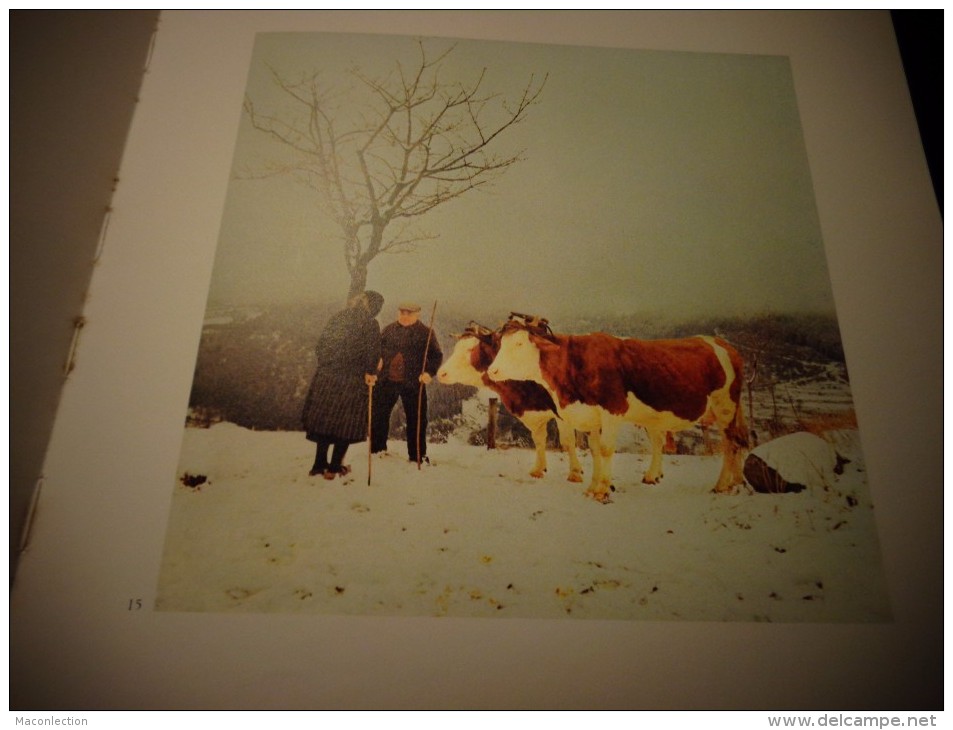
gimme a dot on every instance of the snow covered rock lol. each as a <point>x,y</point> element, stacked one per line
<point>792,463</point>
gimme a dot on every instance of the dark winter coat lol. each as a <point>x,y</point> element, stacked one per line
<point>348,348</point>
<point>403,349</point>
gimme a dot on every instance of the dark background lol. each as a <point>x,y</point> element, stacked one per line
<point>920,38</point>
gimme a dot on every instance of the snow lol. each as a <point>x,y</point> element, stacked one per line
<point>473,535</point>
<point>801,458</point>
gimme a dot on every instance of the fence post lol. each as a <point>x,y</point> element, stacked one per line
<point>491,425</point>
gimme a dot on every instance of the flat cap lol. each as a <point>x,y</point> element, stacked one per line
<point>409,307</point>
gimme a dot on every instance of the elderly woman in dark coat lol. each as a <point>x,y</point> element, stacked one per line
<point>335,411</point>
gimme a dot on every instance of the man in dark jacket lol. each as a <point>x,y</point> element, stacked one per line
<point>403,371</point>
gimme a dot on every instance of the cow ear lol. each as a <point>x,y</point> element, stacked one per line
<point>543,344</point>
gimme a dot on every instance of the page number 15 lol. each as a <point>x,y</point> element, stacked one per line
<point>135,604</point>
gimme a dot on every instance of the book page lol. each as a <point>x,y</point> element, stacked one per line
<point>91,584</point>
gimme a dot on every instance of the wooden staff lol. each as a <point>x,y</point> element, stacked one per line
<point>420,390</point>
<point>370,403</point>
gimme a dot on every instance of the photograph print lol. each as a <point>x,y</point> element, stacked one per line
<point>520,331</point>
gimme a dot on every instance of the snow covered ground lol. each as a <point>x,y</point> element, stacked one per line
<point>475,536</point>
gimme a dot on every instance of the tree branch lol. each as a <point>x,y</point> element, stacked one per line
<point>413,142</point>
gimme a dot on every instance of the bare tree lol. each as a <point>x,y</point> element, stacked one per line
<point>419,141</point>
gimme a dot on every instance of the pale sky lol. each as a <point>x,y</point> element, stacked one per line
<point>653,181</point>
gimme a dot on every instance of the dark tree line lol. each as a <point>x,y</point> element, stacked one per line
<point>254,371</point>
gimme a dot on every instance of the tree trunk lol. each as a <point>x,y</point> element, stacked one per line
<point>357,266</point>
<point>358,281</point>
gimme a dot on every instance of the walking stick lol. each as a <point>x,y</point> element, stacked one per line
<point>420,390</point>
<point>370,401</point>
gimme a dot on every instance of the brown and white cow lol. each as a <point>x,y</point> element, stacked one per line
<point>661,385</point>
<point>526,400</point>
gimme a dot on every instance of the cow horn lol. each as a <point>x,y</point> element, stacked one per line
<point>478,328</point>
<point>530,322</point>
<point>473,329</point>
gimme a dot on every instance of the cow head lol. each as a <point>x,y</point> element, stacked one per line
<point>522,339</point>
<point>475,349</point>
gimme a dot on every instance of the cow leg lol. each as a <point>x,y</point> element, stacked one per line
<point>537,428</point>
<point>567,441</point>
<point>730,476</point>
<point>654,473</point>
<point>734,439</point>
<point>599,486</point>
<point>608,439</point>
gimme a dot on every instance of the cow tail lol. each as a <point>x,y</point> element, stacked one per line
<point>737,430</point>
